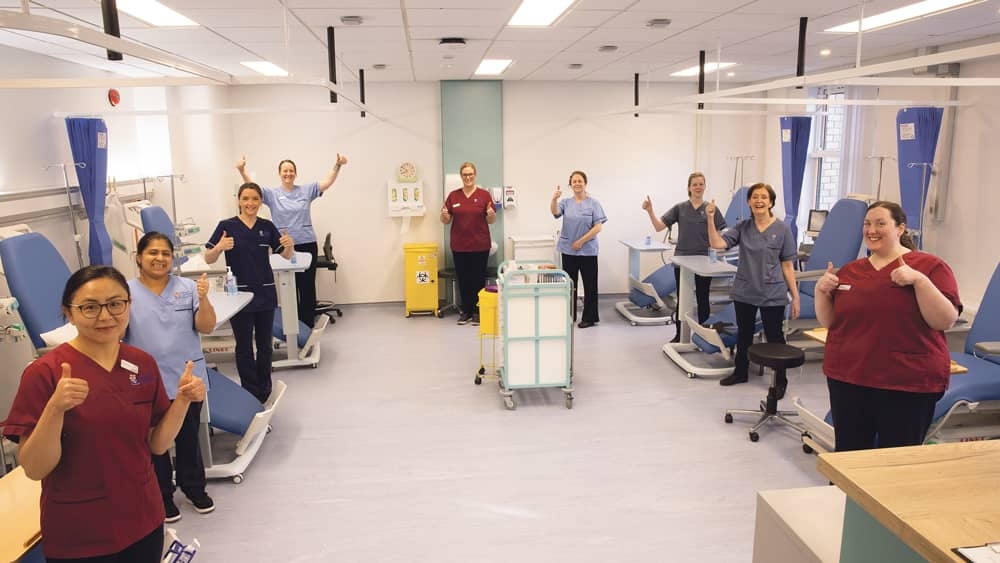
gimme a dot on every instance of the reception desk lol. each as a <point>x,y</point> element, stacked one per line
<point>917,503</point>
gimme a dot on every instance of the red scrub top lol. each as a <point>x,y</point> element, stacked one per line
<point>102,496</point>
<point>878,338</point>
<point>469,230</point>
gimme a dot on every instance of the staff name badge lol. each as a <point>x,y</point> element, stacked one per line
<point>843,287</point>
<point>130,366</point>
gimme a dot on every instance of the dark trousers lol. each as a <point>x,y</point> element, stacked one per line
<point>586,268</point>
<point>866,417</point>
<point>470,271</point>
<point>255,374</point>
<point>189,465</point>
<point>702,285</point>
<point>305,285</point>
<point>773,319</point>
<point>147,550</point>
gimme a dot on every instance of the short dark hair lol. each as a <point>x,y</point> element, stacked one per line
<point>89,274</point>
<point>770,193</point>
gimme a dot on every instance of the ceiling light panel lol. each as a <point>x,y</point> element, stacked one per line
<point>710,67</point>
<point>265,67</point>
<point>922,9</point>
<point>536,13</point>
<point>154,13</point>
<point>458,17</point>
<point>492,67</point>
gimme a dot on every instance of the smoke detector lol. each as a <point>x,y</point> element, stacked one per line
<point>351,20</point>
<point>452,42</point>
<point>658,23</point>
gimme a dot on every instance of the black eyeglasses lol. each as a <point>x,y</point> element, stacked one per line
<point>468,174</point>
<point>93,310</point>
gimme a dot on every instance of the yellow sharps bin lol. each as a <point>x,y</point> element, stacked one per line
<point>487,312</point>
<point>421,260</point>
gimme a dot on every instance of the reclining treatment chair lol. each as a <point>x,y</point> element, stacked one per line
<point>652,300</point>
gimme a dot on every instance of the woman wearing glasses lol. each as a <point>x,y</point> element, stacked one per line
<point>470,212</point>
<point>248,241</point>
<point>88,415</point>
<point>167,314</point>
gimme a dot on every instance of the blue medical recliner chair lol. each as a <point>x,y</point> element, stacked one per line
<point>839,241</point>
<point>652,300</point>
<point>36,275</point>
<point>155,219</point>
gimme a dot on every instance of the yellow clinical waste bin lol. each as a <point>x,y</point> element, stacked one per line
<point>421,261</point>
<point>487,312</point>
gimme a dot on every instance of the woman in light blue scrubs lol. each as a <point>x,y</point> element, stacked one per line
<point>168,313</point>
<point>582,218</point>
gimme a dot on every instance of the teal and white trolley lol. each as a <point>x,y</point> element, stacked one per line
<point>536,329</point>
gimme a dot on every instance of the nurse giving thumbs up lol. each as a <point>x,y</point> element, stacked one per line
<point>69,392</point>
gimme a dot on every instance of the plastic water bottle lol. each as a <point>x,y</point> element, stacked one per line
<point>713,256</point>
<point>649,240</point>
<point>294,260</point>
<point>230,281</point>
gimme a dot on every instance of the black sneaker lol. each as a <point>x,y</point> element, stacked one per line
<point>202,503</point>
<point>474,321</point>
<point>173,513</point>
<point>464,318</point>
<point>733,380</point>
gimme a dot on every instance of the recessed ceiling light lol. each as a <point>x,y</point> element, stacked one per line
<point>709,67</point>
<point>351,20</point>
<point>492,67</point>
<point>824,52</point>
<point>575,66</point>
<point>266,68</point>
<point>154,13</point>
<point>900,15</point>
<point>658,23</point>
<point>448,57</point>
<point>607,48</point>
<point>538,13</point>
<point>730,73</point>
<point>452,42</point>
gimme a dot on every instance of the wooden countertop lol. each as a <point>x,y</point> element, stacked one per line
<point>20,517</point>
<point>934,497</point>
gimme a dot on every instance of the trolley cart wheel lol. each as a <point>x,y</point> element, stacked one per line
<point>569,400</point>
<point>692,375</point>
<point>508,401</point>
<point>728,418</point>
<point>482,370</point>
<point>269,428</point>
<point>807,449</point>
<point>479,380</point>
<point>238,478</point>
<point>633,323</point>
<point>339,313</point>
<point>754,436</point>
<point>407,314</point>
<point>439,313</point>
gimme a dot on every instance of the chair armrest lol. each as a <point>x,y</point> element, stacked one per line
<point>988,348</point>
<point>810,275</point>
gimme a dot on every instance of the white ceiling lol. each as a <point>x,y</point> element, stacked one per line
<point>760,35</point>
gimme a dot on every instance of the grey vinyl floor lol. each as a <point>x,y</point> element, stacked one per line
<point>388,452</point>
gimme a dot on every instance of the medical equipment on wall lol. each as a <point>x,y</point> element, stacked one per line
<point>405,195</point>
<point>509,196</point>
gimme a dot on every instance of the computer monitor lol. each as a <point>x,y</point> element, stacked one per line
<point>816,219</point>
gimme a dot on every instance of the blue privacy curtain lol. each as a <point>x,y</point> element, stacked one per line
<point>917,132</point>
<point>794,151</point>
<point>88,139</point>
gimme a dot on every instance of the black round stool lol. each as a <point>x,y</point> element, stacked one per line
<point>778,357</point>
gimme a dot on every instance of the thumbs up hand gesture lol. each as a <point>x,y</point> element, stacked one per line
<point>202,285</point>
<point>557,194</point>
<point>647,204</point>
<point>70,391</point>
<point>189,387</point>
<point>710,209</point>
<point>286,240</point>
<point>829,282</point>
<point>226,243</point>
<point>905,275</point>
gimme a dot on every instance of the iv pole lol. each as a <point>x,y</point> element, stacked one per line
<point>69,202</point>
<point>738,174</point>
<point>881,161</point>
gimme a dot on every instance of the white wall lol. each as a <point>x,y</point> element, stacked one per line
<point>551,129</point>
<point>305,128</point>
